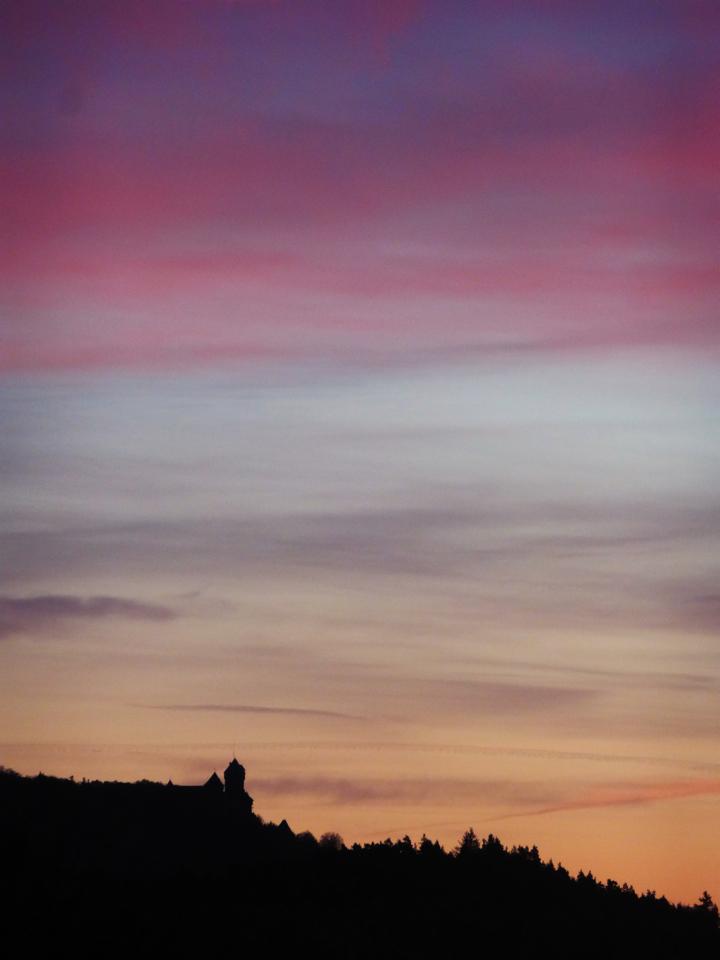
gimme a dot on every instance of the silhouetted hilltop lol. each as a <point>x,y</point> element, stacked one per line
<point>156,868</point>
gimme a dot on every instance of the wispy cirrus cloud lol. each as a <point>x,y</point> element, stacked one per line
<point>22,615</point>
<point>422,542</point>
<point>448,791</point>
<point>437,791</point>
<point>627,795</point>
<point>566,170</point>
<point>251,708</point>
<point>413,538</point>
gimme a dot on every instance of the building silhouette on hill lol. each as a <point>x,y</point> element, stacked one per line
<point>238,797</point>
<point>214,784</point>
<point>231,793</point>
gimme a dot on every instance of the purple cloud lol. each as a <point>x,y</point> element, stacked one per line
<point>29,614</point>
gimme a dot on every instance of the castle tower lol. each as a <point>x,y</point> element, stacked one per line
<point>235,791</point>
<point>234,776</point>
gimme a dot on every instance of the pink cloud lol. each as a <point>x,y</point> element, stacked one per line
<point>630,794</point>
<point>548,180</point>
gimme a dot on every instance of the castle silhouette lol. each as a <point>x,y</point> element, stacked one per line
<point>232,790</point>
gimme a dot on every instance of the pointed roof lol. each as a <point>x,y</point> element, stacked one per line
<point>233,766</point>
<point>213,782</point>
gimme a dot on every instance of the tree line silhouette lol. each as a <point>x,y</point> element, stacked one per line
<point>148,868</point>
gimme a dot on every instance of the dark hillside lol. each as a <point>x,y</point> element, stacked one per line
<point>147,868</point>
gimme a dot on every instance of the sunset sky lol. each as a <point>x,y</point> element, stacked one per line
<point>359,394</point>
